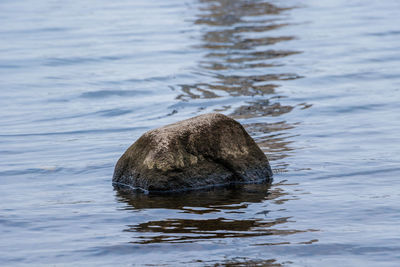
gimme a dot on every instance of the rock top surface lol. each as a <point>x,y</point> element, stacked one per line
<point>202,151</point>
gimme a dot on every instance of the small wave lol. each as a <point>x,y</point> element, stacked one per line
<point>357,173</point>
<point>58,61</point>
<point>109,93</point>
<point>89,131</point>
<point>31,171</point>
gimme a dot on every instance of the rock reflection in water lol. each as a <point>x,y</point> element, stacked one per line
<point>209,200</point>
<point>223,203</point>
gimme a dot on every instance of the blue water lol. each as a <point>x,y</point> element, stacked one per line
<point>316,84</point>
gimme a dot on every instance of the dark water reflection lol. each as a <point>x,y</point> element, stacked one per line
<point>248,262</point>
<point>223,201</point>
<point>229,49</point>
<point>210,199</point>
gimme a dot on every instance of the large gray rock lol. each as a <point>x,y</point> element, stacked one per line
<point>206,150</point>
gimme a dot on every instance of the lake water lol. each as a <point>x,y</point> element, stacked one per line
<point>316,83</point>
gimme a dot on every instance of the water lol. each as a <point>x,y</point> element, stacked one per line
<point>316,84</point>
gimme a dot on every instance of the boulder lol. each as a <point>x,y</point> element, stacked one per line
<point>203,151</point>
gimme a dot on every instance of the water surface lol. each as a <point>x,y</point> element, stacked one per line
<point>316,84</point>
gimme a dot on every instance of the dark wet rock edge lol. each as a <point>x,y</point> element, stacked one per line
<point>122,187</point>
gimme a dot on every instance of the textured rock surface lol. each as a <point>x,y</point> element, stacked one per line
<point>206,150</point>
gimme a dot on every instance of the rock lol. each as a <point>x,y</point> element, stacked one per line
<point>203,151</point>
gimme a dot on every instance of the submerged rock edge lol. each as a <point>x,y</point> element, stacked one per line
<point>130,188</point>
